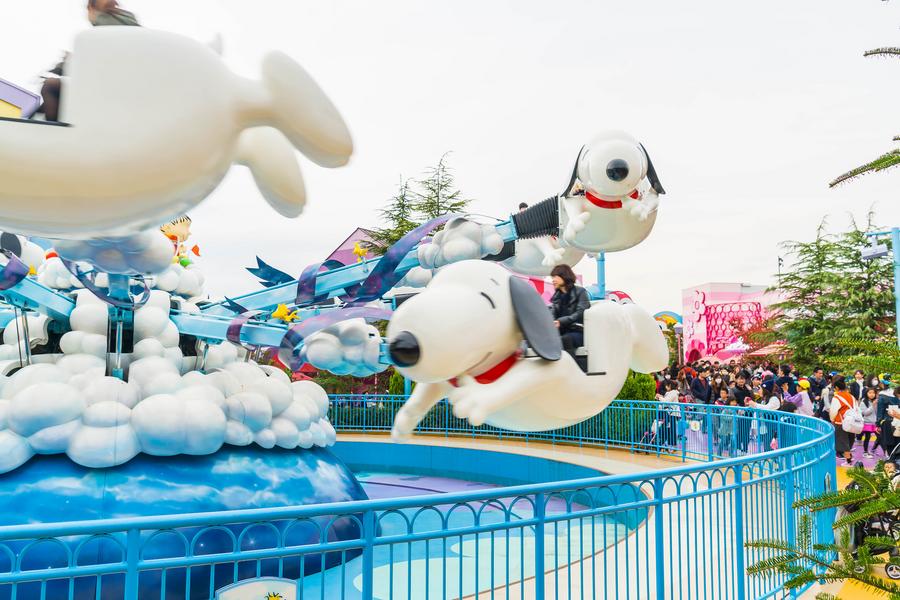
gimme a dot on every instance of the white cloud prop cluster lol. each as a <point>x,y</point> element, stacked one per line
<point>182,281</point>
<point>347,348</point>
<point>460,239</point>
<point>142,253</point>
<point>186,282</point>
<point>54,274</point>
<point>417,277</point>
<point>13,347</point>
<point>71,407</point>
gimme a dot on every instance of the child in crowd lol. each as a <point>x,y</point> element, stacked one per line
<point>725,428</point>
<point>869,409</point>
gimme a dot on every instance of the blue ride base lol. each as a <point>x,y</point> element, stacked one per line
<point>52,489</point>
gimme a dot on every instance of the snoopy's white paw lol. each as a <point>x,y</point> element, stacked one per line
<point>553,257</point>
<point>404,424</point>
<point>638,210</point>
<point>575,226</point>
<point>579,222</point>
<point>462,409</point>
<point>477,416</point>
<point>400,436</point>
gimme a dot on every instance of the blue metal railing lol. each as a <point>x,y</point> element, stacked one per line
<point>671,533</point>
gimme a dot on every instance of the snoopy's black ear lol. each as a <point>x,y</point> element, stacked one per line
<point>574,177</point>
<point>534,320</point>
<point>652,176</point>
<point>11,243</point>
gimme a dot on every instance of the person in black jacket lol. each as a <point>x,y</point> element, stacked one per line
<point>700,389</point>
<point>568,304</point>
<point>857,387</point>
<point>785,377</point>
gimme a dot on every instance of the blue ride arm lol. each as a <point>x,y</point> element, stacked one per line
<point>330,283</point>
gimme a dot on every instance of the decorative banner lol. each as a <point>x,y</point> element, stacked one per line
<point>306,284</point>
<point>293,339</point>
<point>13,272</point>
<point>233,333</point>
<point>261,588</point>
<point>384,276</point>
<point>87,280</point>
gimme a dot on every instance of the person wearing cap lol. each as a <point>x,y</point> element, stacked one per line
<point>802,399</point>
<point>765,423</point>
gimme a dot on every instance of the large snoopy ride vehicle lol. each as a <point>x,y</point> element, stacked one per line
<point>171,433</point>
<point>462,339</point>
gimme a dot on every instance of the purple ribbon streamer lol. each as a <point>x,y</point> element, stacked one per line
<point>233,333</point>
<point>385,276</point>
<point>306,284</point>
<point>13,272</point>
<point>289,352</point>
<point>87,280</point>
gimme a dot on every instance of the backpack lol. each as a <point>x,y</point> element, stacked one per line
<point>853,420</point>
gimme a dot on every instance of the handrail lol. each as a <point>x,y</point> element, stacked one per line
<point>805,459</point>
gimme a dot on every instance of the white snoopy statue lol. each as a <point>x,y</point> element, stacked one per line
<point>153,122</point>
<point>462,338</point>
<point>609,204</point>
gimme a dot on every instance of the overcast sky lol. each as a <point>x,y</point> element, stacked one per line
<point>748,110</point>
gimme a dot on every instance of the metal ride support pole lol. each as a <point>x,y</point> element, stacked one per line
<point>27,333</point>
<point>895,244</point>
<point>119,288</point>
<point>601,274</point>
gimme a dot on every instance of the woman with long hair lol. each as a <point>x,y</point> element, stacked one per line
<point>568,304</point>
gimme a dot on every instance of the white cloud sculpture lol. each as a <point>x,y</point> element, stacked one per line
<point>350,347</point>
<point>72,407</point>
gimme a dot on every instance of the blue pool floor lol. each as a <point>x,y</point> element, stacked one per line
<point>463,565</point>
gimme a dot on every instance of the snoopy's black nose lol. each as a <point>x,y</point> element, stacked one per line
<point>404,349</point>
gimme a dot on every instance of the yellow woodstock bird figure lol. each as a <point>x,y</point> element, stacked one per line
<point>360,252</point>
<point>283,313</point>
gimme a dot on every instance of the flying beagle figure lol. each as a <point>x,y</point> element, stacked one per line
<point>153,122</point>
<point>462,338</point>
<point>609,204</point>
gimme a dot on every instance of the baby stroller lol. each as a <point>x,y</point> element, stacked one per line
<point>650,437</point>
<point>884,524</point>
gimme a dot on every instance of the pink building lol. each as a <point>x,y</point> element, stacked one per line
<point>715,313</point>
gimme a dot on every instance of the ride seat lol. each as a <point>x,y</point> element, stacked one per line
<point>17,103</point>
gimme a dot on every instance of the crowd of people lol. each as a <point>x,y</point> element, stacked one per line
<point>861,407</point>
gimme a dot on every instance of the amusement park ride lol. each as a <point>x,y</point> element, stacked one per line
<point>92,190</point>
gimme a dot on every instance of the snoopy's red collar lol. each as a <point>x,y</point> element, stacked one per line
<point>610,204</point>
<point>495,372</point>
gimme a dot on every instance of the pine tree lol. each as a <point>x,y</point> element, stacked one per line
<point>437,195</point>
<point>416,202</point>
<point>871,496</point>
<point>830,294</point>
<point>886,160</point>
<point>399,216</point>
